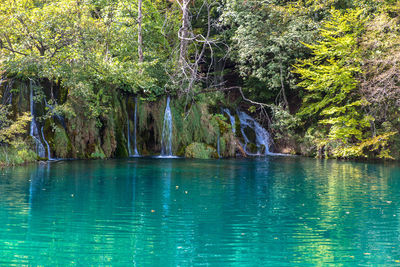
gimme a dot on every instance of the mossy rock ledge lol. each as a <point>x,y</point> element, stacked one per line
<point>200,151</point>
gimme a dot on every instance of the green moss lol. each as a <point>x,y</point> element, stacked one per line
<point>82,131</point>
<point>98,153</point>
<point>61,144</point>
<point>252,148</point>
<point>193,124</point>
<point>149,128</point>
<point>63,94</point>
<point>222,144</point>
<point>200,151</point>
<point>121,150</point>
<point>109,143</point>
<point>21,154</point>
<point>223,126</point>
<point>228,145</point>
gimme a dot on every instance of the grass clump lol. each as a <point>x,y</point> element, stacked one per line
<point>11,156</point>
<point>200,151</point>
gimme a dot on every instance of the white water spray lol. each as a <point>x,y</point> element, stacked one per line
<point>34,131</point>
<point>135,151</point>
<point>263,138</point>
<point>231,118</point>
<point>134,131</point>
<point>166,140</point>
<point>47,144</point>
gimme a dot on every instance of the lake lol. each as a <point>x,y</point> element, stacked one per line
<point>272,211</point>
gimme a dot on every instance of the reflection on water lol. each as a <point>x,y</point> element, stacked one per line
<point>273,211</point>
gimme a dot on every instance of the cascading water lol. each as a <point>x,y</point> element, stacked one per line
<point>134,130</point>
<point>262,136</point>
<point>166,140</point>
<point>47,144</point>
<point>231,118</point>
<point>128,134</point>
<point>34,132</point>
<point>135,151</point>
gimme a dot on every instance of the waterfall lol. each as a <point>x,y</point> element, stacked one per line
<point>231,118</point>
<point>135,151</point>
<point>134,130</point>
<point>166,140</point>
<point>262,136</point>
<point>47,144</point>
<point>128,135</point>
<point>34,132</point>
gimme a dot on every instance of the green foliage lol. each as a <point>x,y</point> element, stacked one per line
<point>82,58</point>
<point>10,130</point>
<point>265,38</point>
<point>200,151</point>
<point>61,143</point>
<point>89,48</point>
<point>283,124</point>
<point>16,154</point>
<point>98,154</point>
<point>330,78</point>
<point>378,144</point>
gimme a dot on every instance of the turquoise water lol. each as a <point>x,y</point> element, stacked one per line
<point>176,212</point>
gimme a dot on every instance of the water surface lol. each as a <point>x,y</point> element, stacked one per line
<point>178,212</point>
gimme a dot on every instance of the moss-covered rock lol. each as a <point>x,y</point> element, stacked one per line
<point>61,144</point>
<point>88,131</point>
<point>200,151</point>
<point>109,143</point>
<point>120,129</point>
<point>98,153</point>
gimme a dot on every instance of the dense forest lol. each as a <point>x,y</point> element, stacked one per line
<point>94,78</point>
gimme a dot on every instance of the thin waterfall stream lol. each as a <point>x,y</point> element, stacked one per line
<point>136,153</point>
<point>34,131</point>
<point>135,150</point>
<point>231,118</point>
<point>47,145</point>
<point>166,139</point>
<point>128,134</point>
<point>263,138</point>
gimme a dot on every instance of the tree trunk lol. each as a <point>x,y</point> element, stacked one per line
<point>140,39</point>
<point>184,31</point>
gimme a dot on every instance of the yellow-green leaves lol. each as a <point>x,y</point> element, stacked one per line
<point>9,133</point>
<point>330,80</point>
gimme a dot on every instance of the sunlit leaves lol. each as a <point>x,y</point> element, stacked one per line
<point>330,78</point>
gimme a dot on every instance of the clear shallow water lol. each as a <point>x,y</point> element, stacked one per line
<point>150,212</point>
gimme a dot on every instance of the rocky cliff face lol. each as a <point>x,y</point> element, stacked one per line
<point>72,131</point>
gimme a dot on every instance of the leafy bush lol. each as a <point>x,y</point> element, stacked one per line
<point>283,123</point>
<point>98,154</point>
<point>10,156</point>
<point>200,151</point>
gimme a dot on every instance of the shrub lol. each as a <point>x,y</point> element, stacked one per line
<point>200,151</point>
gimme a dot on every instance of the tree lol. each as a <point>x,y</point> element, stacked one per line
<point>330,79</point>
<point>381,65</point>
<point>265,43</point>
